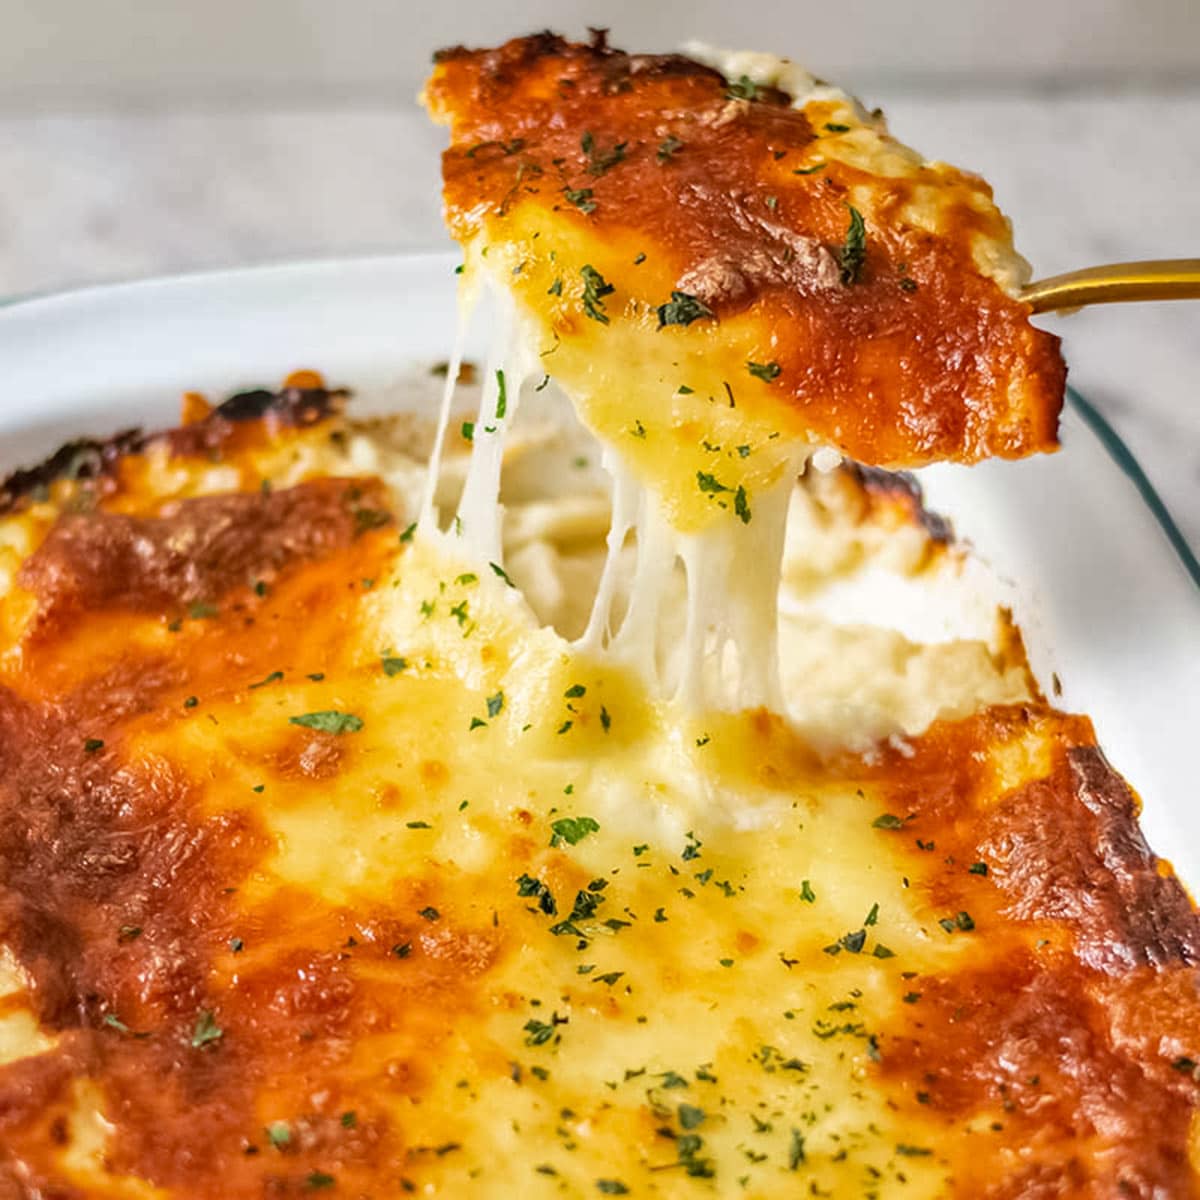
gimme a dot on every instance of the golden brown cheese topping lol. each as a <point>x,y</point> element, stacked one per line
<point>668,232</point>
<point>325,870</point>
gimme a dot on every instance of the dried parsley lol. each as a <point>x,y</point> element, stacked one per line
<point>595,288</point>
<point>572,830</point>
<point>853,252</point>
<point>681,309</point>
<point>767,372</point>
<point>329,720</point>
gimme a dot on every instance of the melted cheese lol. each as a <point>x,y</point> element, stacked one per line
<point>697,996</point>
<point>631,906</point>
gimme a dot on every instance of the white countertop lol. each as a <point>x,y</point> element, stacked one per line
<point>1086,178</point>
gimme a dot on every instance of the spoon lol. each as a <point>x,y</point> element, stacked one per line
<point>1164,279</point>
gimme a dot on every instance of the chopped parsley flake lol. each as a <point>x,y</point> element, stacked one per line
<point>806,892</point>
<point>740,506</point>
<point>501,396</point>
<point>495,704</point>
<point>468,431</point>
<point>429,913</point>
<point>274,677</point>
<point>528,886</point>
<point>710,483</point>
<point>540,1032</point>
<point>853,942</point>
<point>498,570</point>
<point>872,917</point>
<point>393,665</point>
<point>575,691</point>
<point>329,720</point>
<point>668,148</point>
<point>979,868</point>
<point>682,309</point>
<point>809,170</point>
<point>572,830</point>
<point>91,745</point>
<point>835,128</point>
<point>595,288</point>
<point>611,1187</point>
<point>887,821</point>
<point>206,1030</point>
<point>279,1134</point>
<point>796,1156</point>
<point>601,161</point>
<point>767,371</point>
<point>853,252</point>
<point>742,88</point>
<point>318,1181</point>
<point>581,198</point>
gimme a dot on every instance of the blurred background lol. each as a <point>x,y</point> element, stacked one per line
<point>140,138</point>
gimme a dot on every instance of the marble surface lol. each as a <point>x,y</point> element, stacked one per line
<point>1086,178</point>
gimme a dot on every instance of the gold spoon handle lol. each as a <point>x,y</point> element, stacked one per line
<point>1165,279</point>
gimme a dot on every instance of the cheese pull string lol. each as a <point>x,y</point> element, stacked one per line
<point>1117,283</point>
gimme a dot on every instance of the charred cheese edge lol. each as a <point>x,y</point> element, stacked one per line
<point>744,258</point>
<point>325,868</point>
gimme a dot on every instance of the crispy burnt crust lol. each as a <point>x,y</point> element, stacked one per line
<point>909,356</point>
<point>92,459</point>
<point>902,486</point>
<point>1078,1018</point>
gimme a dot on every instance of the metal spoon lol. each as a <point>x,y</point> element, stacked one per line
<point>1165,279</point>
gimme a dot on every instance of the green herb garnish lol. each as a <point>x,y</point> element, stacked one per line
<point>595,288</point>
<point>572,830</point>
<point>501,396</point>
<point>206,1030</point>
<point>853,252</point>
<point>743,88</point>
<point>681,309</point>
<point>600,161</point>
<point>329,720</point>
<point>581,198</point>
<point>767,372</point>
<point>668,148</point>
